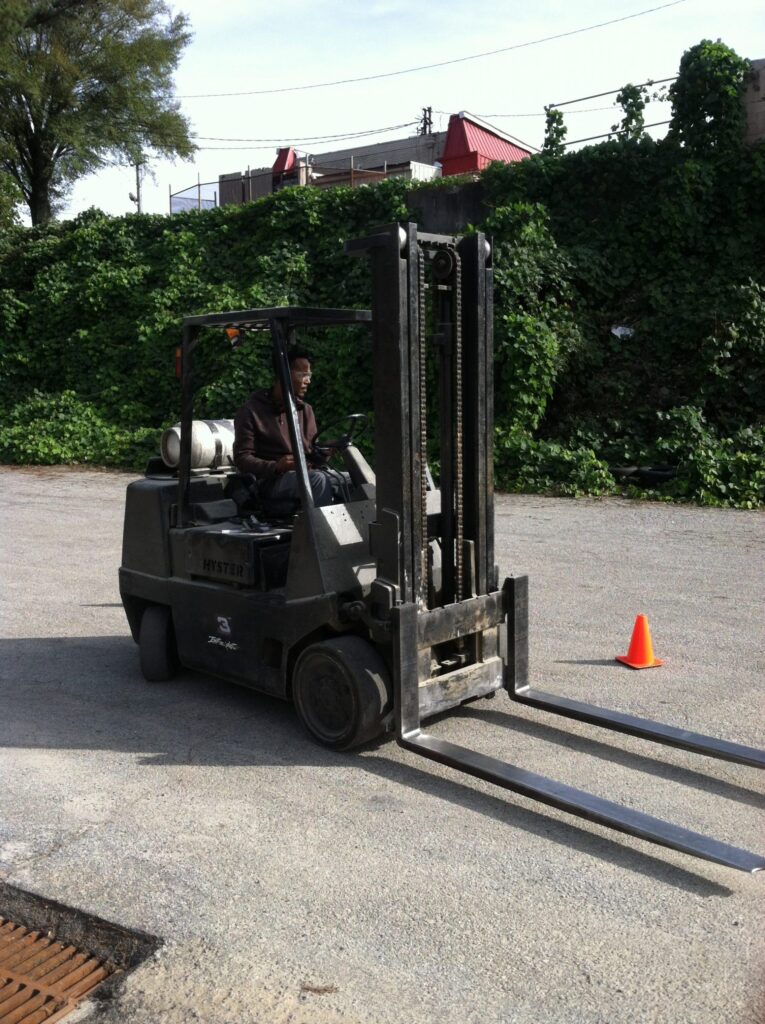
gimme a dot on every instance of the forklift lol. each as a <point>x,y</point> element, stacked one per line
<point>385,608</point>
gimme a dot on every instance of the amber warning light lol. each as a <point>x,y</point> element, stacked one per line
<point>178,362</point>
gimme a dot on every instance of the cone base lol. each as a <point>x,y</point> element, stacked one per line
<point>624,659</point>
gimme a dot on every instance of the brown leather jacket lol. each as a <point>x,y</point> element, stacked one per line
<point>261,434</point>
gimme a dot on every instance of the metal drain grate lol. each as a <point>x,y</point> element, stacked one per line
<point>41,979</point>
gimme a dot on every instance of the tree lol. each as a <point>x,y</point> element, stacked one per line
<point>555,132</point>
<point>84,83</point>
<point>707,98</point>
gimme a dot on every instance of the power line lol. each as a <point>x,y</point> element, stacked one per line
<point>585,110</point>
<point>232,148</point>
<point>605,135</point>
<point>294,143</point>
<point>597,95</point>
<point>390,153</point>
<point>313,138</point>
<point>440,64</point>
<point>536,113</point>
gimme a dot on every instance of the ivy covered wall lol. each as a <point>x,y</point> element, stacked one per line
<point>629,316</point>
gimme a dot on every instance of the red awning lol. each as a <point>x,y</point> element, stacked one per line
<point>471,145</point>
<point>285,160</point>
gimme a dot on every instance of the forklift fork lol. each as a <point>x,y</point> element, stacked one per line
<point>411,736</point>
<point>519,689</point>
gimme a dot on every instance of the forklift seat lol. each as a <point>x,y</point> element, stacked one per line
<point>214,511</point>
<point>243,489</point>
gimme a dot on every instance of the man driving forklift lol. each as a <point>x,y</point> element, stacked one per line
<point>262,444</point>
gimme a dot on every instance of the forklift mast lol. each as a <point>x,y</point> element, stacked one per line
<point>432,346</point>
<point>436,598</point>
<point>437,588</point>
<point>431,307</point>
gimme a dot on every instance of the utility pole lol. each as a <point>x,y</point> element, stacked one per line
<point>426,122</point>
<point>137,197</point>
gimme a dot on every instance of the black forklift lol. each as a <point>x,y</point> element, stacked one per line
<point>381,610</point>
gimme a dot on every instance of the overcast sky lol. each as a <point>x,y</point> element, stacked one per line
<point>249,45</point>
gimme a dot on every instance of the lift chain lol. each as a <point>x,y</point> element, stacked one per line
<point>459,518</point>
<point>422,327</point>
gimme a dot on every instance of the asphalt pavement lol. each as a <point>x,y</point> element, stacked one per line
<point>292,884</point>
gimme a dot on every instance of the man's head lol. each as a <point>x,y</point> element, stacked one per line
<point>300,371</point>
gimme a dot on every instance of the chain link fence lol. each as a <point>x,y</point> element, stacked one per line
<point>202,196</point>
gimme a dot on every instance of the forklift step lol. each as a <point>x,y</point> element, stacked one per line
<point>580,803</point>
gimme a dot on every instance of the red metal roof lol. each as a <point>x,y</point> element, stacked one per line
<point>471,145</point>
<point>285,160</point>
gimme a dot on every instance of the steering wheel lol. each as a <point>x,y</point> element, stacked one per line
<point>357,425</point>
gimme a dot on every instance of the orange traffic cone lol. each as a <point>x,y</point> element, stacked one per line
<point>640,654</point>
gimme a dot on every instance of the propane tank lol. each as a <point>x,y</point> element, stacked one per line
<point>212,444</point>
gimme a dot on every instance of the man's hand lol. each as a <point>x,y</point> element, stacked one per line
<point>285,464</point>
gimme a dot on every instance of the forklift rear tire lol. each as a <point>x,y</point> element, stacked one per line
<point>342,692</point>
<point>156,644</point>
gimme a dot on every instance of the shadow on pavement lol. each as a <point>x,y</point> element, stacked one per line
<point>87,693</point>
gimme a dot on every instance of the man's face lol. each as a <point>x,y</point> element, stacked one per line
<point>301,376</point>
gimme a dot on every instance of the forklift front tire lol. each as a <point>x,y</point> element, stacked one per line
<point>156,644</point>
<point>342,692</point>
